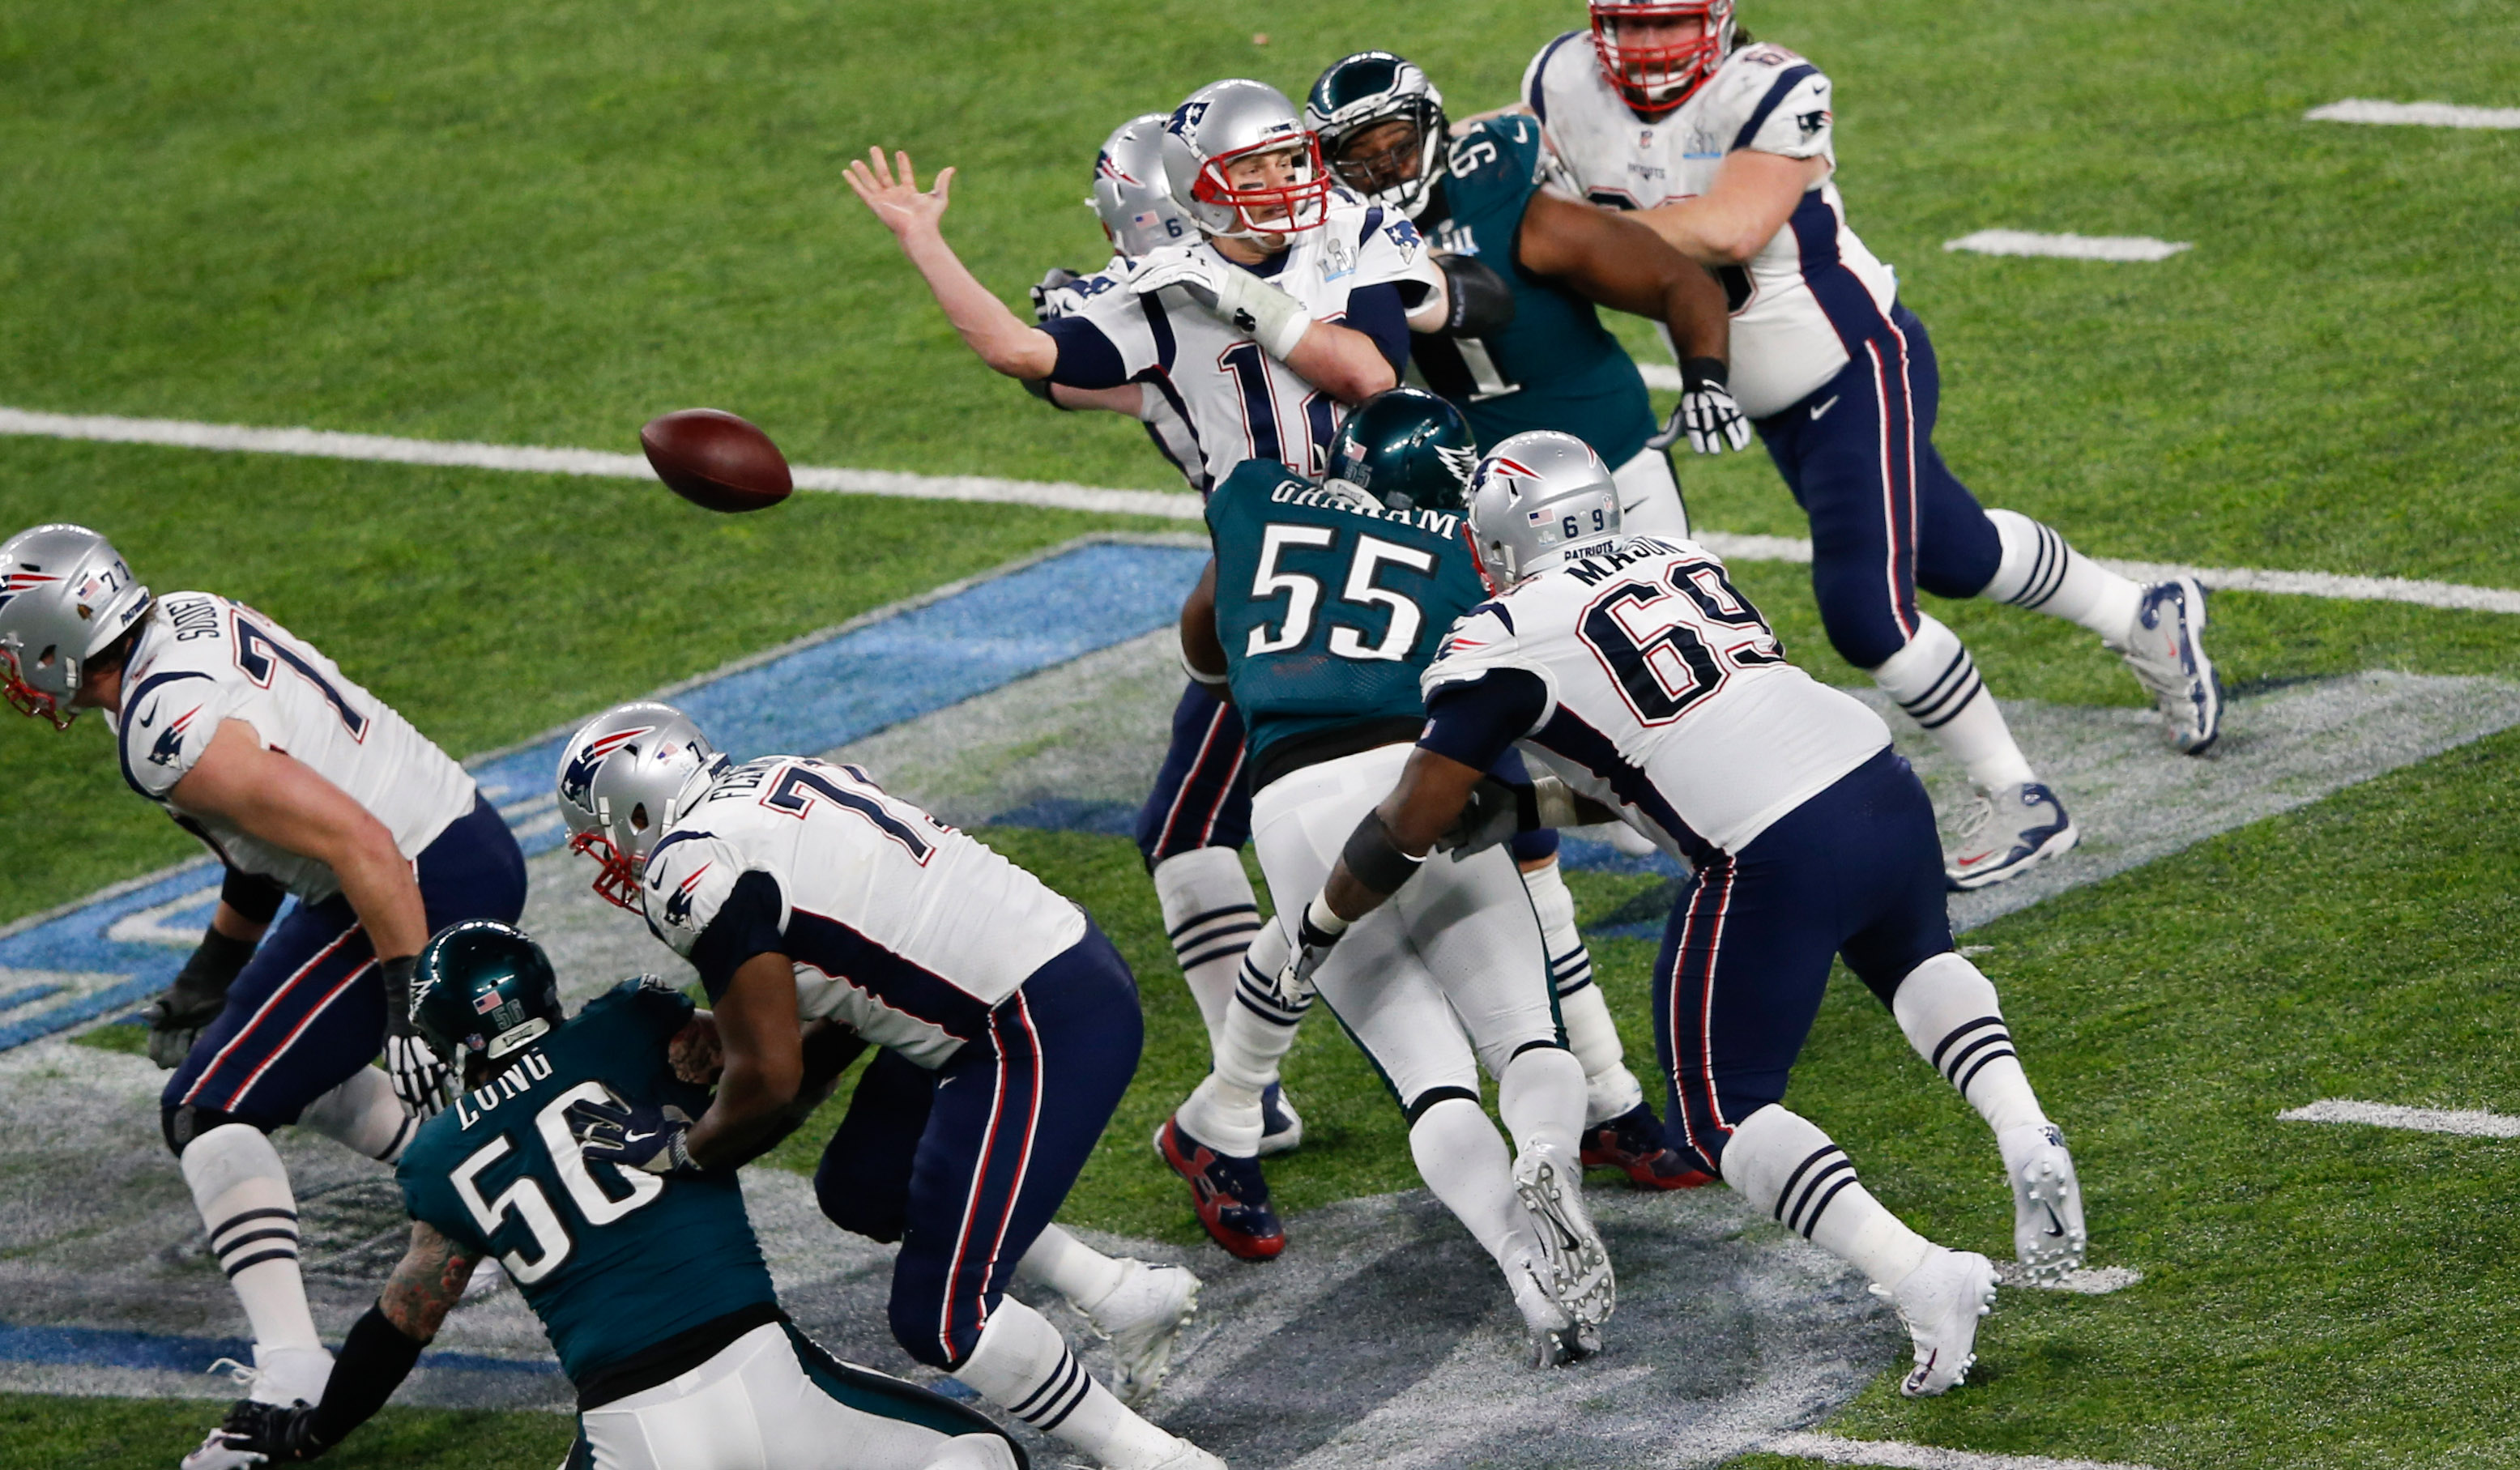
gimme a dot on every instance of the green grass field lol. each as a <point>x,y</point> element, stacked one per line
<point>542,225</point>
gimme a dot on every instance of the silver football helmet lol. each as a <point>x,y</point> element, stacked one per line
<point>1130,193</point>
<point>64,593</point>
<point>1352,100</point>
<point>1535,500</point>
<point>1224,123</point>
<point>624,778</point>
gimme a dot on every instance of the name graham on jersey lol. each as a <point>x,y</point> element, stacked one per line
<point>1297,493</point>
<point>532,1068</point>
<point>1593,568</point>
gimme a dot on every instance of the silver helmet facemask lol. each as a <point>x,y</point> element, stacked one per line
<point>66,594</point>
<point>1130,193</point>
<point>1537,499</point>
<point>624,778</point>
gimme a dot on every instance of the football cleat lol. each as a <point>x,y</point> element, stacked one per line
<point>1940,1301</point>
<point>2047,1236</point>
<point>1282,1128</point>
<point>1633,1144</point>
<point>1556,1338</point>
<point>216,1454</point>
<point>1579,1267</point>
<point>1231,1194</point>
<point>1140,1318</point>
<point>2169,659</point>
<point>2011,831</point>
<point>1188,1456</point>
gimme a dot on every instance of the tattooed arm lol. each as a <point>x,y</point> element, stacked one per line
<point>376,1358</point>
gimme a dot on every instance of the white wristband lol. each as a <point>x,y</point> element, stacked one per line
<point>1275,319</point>
<point>1319,914</point>
<point>1203,676</point>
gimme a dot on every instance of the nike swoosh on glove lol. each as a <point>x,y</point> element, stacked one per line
<point>1231,295</point>
<point>1706,413</point>
<point>419,1078</point>
<point>652,1139</point>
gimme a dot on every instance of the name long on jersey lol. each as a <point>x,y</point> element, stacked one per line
<point>896,924</point>
<point>1236,402</point>
<point>202,659</point>
<point>1667,693</point>
<point>1813,289</point>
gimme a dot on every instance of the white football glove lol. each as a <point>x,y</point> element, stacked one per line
<point>1234,296</point>
<point>418,1077</point>
<point>1706,414</point>
<point>1317,931</point>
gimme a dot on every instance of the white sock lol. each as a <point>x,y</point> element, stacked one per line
<point>1611,1090</point>
<point>1541,1099</point>
<point>1070,1266</point>
<point>1935,681</point>
<point>1947,1009</point>
<point>1466,1164</point>
<point>2040,571</point>
<point>1022,1366</point>
<point>243,1192</point>
<point>1785,1165</point>
<point>1210,914</point>
<point>1224,1112</point>
<point>364,1114</point>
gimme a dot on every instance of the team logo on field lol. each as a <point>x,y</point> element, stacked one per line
<point>578,781</point>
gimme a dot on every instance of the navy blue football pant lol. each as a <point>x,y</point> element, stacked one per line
<point>968,1164</point>
<point>1856,870</point>
<point>1203,795</point>
<point>1887,515</point>
<point>309,1009</point>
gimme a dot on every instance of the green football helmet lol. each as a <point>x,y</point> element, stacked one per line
<point>482,988</point>
<point>1405,448</point>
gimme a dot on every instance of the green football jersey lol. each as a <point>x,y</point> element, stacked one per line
<point>1328,609</point>
<point>613,1261</point>
<point>1554,365</point>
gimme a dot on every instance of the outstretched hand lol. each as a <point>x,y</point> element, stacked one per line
<point>899,201</point>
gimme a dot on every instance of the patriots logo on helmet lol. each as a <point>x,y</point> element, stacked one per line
<point>678,906</point>
<point>577,781</point>
<point>1106,168</point>
<point>1187,116</point>
<point>170,743</point>
<point>22,581</point>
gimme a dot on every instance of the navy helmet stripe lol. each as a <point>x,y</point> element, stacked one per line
<point>1785,82</point>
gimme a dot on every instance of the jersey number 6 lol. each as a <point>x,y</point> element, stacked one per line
<point>1670,646</point>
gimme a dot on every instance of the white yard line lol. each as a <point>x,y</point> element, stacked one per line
<point>1831,1450</point>
<point>2426,1120</point>
<point>2414,113</point>
<point>1056,495</point>
<point>2068,246</point>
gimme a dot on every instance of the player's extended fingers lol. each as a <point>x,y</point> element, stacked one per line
<point>909,175</point>
<point>944,186</point>
<point>880,166</point>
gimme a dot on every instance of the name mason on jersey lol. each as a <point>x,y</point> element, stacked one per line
<point>1593,568</point>
<point>1292,492</point>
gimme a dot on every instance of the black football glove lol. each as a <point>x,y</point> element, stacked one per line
<point>199,993</point>
<point>1056,277</point>
<point>283,1435</point>
<point>1706,414</point>
<point>1494,813</point>
<point>419,1078</point>
<point>635,1137</point>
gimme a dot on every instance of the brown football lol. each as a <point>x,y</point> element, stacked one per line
<point>715,460</point>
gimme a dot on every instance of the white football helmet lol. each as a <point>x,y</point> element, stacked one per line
<point>64,593</point>
<point>1655,76</point>
<point>1130,192</point>
<point>1537,499</point>
<point>1227,122</point>
<point>625,777</point>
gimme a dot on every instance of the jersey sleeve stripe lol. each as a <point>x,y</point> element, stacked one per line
<point>1786,80</point>
<point>1537,96</point>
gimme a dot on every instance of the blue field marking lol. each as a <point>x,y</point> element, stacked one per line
<point>107,1348</point>
<point>874,674</point>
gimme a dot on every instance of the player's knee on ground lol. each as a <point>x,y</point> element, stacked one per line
<point>180,1126</point>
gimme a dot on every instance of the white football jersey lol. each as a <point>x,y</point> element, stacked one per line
<point>1166,427</point>
<point>897,926</point>
<point>1815,290</point>
<point>1668,697</point>
<point>202,660</point>
<point>1234,401</point>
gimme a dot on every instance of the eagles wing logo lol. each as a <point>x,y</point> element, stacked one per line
<point>577,778</point>
<point>1462,461</point>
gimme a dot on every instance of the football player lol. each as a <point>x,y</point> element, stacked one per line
<point>1009,1025</point>
<point>1653,689</point>
<point>1325,601</point>
<point>1526,350</point>
<point>651,1289</point>
<point>1724,147</point>
<point>304,786</point>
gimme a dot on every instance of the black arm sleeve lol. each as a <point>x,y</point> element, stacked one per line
<point>1086,357</point>
<point>1376,311</point>
<point>746,924</point>
<point>374,1359</point>
<point>252,896</point>
<point>1477,722</point>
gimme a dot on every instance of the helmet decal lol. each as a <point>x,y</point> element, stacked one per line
<point>577,781</point>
